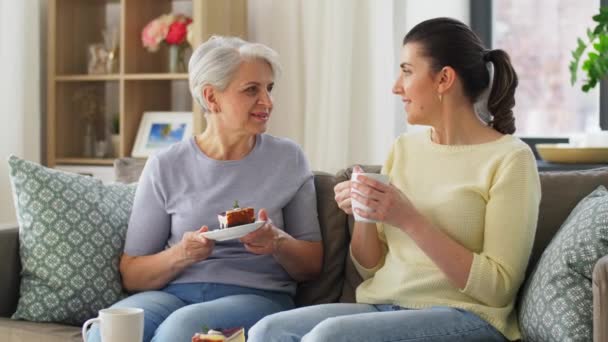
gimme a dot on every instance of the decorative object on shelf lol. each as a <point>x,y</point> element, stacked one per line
<point>110,41</point>
<point>90,103</point>
<point>158,130</point>
<point>98,57</point>
<point>103,57</point>
<point>595,66</point>
<point>101,148</point>
<point>115,135</point>
<point>174,30</point>
<point>177,62</point>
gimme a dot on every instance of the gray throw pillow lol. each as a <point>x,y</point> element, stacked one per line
<point>557,300</point>
<point>72,231</point>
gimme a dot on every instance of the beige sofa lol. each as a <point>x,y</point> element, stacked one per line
<point>561,192</point>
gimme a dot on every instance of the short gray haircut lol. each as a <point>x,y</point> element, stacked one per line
<point>216,61</point>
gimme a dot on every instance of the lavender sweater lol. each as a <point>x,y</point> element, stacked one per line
<point>182,189</point>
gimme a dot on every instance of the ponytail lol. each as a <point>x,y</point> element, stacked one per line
<point>502,95</point>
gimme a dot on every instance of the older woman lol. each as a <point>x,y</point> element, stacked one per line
<point>184,280</point>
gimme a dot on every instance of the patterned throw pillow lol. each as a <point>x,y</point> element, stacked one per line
<point>557,301</point>
<point>72,231</point>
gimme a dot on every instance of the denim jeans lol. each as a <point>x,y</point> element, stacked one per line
<point>178,311</point>
<point>365,322</point>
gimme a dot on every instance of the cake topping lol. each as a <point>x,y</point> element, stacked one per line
<point>227,335</point>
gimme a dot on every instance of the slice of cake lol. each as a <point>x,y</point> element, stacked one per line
<point>225,335</point>
<point>236,216</point>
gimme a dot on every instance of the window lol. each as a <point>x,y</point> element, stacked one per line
<point>539,36</point>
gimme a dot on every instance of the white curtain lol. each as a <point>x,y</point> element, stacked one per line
<point>340,61</point>
<point>19,91</point>
<point>334,97</point>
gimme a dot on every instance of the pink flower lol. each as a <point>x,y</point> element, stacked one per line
<point>168,28</point>
<point>177,32</point>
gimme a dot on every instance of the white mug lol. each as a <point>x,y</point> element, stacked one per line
<point>118,325</point>
<point>357,204</point>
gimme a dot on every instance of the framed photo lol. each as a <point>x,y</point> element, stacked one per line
<point>158,130</point>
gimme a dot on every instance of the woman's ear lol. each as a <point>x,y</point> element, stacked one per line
<point>210,98</point>
<point>445,79</point>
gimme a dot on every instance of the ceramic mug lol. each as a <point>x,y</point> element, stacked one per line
<point>118,325</point>
<point>356,204</point>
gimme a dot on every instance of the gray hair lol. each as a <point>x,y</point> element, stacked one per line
<point>216,61</point>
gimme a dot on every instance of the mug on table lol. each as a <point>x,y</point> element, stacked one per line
<point>118,325</point>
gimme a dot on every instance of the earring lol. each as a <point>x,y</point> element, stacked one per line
<point>440,96</point>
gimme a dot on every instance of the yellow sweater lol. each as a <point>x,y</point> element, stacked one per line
<point>486,197</point>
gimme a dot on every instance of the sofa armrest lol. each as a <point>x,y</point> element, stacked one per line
<point>10,269</point>
<point>600,300</point>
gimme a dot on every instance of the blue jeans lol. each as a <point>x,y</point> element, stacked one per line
<point>178,311</point>
<point>365,322</point>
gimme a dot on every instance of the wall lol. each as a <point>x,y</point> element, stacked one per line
<point>19,92</point>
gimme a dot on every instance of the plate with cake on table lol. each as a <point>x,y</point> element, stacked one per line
<point>234,223</point>
<point>220,335</point>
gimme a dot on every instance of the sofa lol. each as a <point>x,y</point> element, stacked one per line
<point>561,191</point>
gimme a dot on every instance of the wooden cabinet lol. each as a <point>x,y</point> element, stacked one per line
<point>82,106</point>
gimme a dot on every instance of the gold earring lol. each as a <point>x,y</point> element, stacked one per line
<point>440,96</point>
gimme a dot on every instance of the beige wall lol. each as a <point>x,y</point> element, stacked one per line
<point>19,92</point>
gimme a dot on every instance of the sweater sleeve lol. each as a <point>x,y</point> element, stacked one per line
<point>149,224</point>
<point>510,225</point>
<point>364,272</point>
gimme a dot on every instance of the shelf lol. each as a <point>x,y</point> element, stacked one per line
<point>85,161</point>
<point>79,24</point>
<point>152,95</point>
<point>80,78</point>
<point>155,77</point>
<point>117,77</point>
<point>82,108</point>
<point>83,112</point>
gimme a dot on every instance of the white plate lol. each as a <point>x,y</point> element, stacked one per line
<point>232,232</point>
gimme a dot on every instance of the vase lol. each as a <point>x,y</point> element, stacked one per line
<point>115,145</point>
<point>89,141</point>
<point>176,59</point>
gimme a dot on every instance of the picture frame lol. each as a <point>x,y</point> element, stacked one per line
<point>158,130</point>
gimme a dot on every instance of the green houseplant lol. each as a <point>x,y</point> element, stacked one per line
<point>595,66</point>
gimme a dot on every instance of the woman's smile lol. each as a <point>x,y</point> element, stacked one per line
<point>260,116</point>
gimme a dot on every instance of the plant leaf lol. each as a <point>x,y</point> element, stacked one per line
<point>595,63</point>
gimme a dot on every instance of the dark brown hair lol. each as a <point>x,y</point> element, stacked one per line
<point>449,42</point>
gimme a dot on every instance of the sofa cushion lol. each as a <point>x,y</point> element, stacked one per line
<point>128,170</point>
<point>72,230</point>
<point>557,300</point>
<point>561,191</point>
<point>20,331</point>
<point>328,287</point>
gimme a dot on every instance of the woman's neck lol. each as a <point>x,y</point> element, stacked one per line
<point>225,146</point>
<point>462,126</point>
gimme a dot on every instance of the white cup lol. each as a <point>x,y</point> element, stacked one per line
<point>356,204</point>
<point>118,325</point>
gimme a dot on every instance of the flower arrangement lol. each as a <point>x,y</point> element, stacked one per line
<point>173,29</point>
